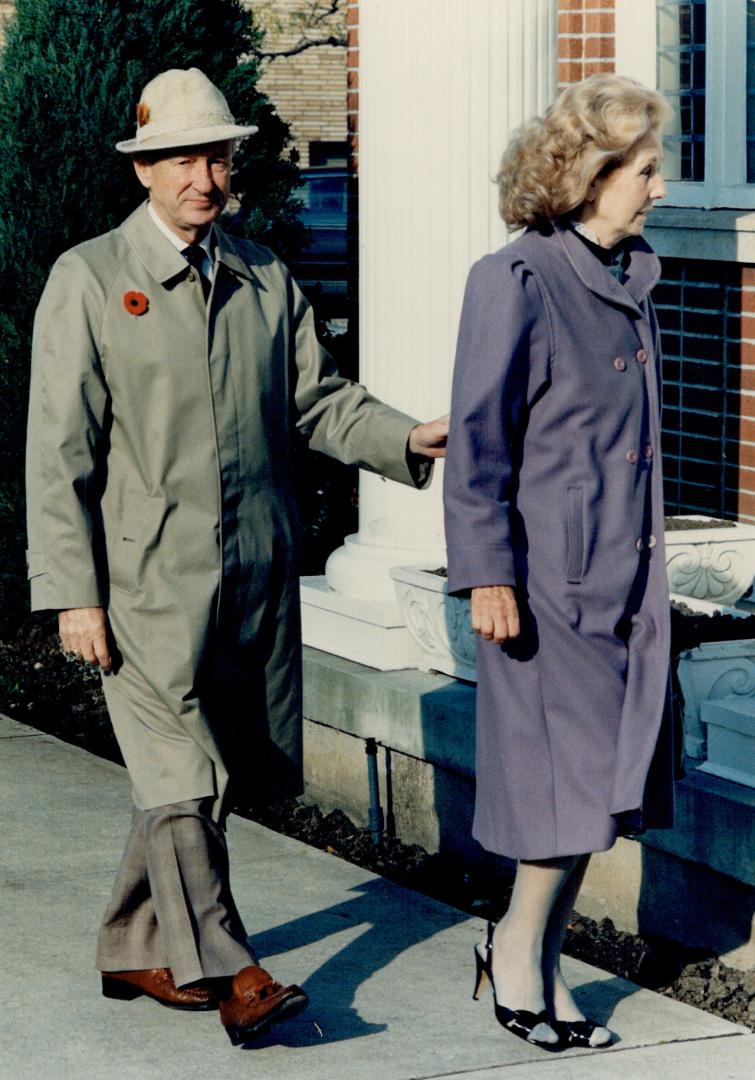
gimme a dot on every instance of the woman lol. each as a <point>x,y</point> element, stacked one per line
<point>554,521</point>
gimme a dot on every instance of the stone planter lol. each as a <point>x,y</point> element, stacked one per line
<point>714,671</point>
<point>716,564</point>
<point>730,724</point>
<point>709,568</point>
<point>438,622</point>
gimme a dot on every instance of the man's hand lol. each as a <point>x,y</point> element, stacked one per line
<point>85,631</point>
<point>429,440</point>
<point>495,613</point>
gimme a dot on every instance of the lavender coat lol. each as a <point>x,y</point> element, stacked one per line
<point>553,484</point>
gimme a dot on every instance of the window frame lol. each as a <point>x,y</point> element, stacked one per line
<point>725,184</point>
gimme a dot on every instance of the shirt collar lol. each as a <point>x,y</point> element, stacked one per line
<point>643,267</point>
<point>178,243</point>
<point>583,230</point>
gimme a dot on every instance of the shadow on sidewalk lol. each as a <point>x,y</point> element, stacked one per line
<point>393,922</point>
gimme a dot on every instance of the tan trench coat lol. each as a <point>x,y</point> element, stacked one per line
<point>160,486</point>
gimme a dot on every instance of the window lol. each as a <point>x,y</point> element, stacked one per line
<point>750,93</point>
<point>680,76</point>
<point>704,63</point>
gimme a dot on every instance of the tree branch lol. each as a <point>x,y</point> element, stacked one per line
<point>303,45</point>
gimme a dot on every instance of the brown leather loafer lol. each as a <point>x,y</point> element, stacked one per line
<point>253,1000</point>
<point>157,983</point>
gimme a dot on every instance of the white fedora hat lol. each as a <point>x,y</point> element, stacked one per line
<point>181,108</point>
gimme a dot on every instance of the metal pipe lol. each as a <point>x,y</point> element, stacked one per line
<point>375,821</point>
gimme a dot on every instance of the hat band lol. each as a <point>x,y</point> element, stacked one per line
<point>173,125</point>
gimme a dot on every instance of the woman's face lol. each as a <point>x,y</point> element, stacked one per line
<point>617,204</point>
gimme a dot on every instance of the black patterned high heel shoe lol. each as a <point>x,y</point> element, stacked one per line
<point>519,1022</point>
<point>583,1033</point>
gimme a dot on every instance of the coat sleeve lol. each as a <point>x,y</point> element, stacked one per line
<point>502,364</point>
<point>65,453</point>
<point>341,418</point>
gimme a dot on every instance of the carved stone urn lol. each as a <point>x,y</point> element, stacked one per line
<point>707,562</point>
<point>439,622</point>
<point>710,561</point>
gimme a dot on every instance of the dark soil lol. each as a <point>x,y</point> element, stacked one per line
<point>40,687</point>
<point>681,524</point>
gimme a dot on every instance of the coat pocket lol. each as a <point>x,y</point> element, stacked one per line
<point>36,564</point>
<point>134,543</point>
<point>575,534</point>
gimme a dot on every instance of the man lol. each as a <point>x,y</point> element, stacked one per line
<point>169,364</point>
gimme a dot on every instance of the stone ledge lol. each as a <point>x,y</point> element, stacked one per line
<point>431,717</point>
<point>692,233</point>
<point>715,826</point>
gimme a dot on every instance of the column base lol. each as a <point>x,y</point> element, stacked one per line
<point>371,632</point>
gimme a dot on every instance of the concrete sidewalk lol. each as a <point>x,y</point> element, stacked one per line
<point>388,971</point>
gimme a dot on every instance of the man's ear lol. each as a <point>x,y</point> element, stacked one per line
<point>143,170</point>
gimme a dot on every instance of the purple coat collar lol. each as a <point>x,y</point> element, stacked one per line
<point>643,270</point>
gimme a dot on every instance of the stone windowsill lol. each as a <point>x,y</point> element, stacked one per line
<point>689,233</point>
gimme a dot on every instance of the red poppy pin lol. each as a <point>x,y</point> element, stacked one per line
<point>136,303</point>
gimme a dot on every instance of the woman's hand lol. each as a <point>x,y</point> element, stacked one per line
<point>495,613</point>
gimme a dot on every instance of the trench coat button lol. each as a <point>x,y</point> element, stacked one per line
<point>620,363</point>
<point>652,541</point>
<point>648,451</point>
<point>639,544</point>
<point>191,276</point>
<point>642,356</point>
<point>632,457</point>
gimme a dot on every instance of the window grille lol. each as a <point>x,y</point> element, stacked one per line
<point>680,29</point>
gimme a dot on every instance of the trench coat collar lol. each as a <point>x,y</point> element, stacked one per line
<point>643,270</point>
<point>226,253</point>
<point>163,260</point>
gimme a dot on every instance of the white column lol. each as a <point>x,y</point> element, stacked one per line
<point>442,85</point>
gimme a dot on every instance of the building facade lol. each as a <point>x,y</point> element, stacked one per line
<point>701,55</point>
<point>305,74</point>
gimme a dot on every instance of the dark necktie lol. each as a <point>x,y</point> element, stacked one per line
<point>195,256</point>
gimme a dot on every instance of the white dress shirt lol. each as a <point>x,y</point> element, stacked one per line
<point>208,266</point>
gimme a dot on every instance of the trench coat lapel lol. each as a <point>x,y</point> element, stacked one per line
<point>643,271</point>
<point>164,261</point>
<point>159,257</point>
<point>227,255</point>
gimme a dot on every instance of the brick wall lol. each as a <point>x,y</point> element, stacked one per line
<point>352,81</point>
<point>309,89</point>
<point>585,38</point>
<point>707,314</point>
<point>5,10</point>
<point>352,120</point>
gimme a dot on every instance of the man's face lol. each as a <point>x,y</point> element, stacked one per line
<point>188,187</point>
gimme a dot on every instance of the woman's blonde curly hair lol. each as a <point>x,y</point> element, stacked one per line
<point>550,162</point>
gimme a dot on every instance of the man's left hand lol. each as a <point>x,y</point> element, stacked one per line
<point>429,440</point>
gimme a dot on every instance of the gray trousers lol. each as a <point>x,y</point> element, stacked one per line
<point>172,904</point>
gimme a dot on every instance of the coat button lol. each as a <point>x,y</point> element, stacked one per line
<point>191,276</point>
<point>648,451</point>
<point>642,357</point>
<point>632,457</point>
<point>620,364</point>
<point>639,544</point>
<point>652,541</point>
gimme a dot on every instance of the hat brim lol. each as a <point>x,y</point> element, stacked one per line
<point>193,137</point>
